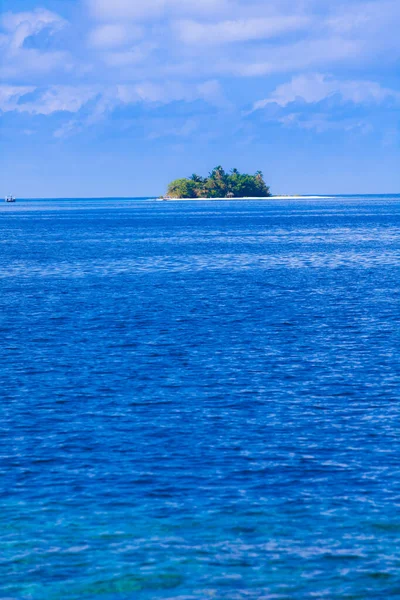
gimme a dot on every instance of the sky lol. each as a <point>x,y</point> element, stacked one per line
<point>118,97</point>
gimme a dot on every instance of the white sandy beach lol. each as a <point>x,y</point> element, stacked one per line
<point>245,198</point>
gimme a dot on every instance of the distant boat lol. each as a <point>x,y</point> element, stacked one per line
<point>10,198</point>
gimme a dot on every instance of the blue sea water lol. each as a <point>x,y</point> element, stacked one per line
<point>200,400</point>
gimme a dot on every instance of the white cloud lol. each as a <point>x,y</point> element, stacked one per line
<point>316,87</point>
<point>17,60</point>
<point>114,35</point>
<point>116,10</point>
<point>170,91</point>
<point>130,56</point>
<point>131,51</point>
<point>110,98</point>
<point>10,96</point>
<point>22,25</point>
<point>71,127</point>
<point>54,99</point>
<point>211,91</point>
<point>364,18</point>
<point>323,103</point>
<point>302,55</point>
<point>71,99</point>
<point>62,98</point>
<point>121,10</point>
<point>32,62</point>
<point>193,32</point>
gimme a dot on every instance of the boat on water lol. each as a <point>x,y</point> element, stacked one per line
<point>10,198</point>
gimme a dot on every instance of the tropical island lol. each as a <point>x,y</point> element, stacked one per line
<point>220,184</point>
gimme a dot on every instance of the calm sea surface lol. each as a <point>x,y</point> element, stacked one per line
<point>200,400</point>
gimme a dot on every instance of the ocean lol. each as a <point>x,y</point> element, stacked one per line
<point>200,400</point>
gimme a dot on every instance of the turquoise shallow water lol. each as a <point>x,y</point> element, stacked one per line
<point>200,400</point>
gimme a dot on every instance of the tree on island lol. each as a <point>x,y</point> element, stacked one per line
<point>220,184</point>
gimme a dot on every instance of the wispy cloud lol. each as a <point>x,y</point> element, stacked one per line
<point>316,87</point>
<point>91,104</point>
<point>194,32</point>
<point>114,10</point>
<point>322,103</point>
<point>123,52</point>
<point>34,101</point>
<point>18,59</point>
<point>127,57</point>
<point>22,25</point>
<point>10,96</point>
<point>114,35</point>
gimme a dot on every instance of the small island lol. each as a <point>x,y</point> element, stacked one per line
<point>220,184</point>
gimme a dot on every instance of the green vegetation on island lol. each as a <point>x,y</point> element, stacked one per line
<point>220,184</point>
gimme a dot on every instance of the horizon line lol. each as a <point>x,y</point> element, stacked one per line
<point>159,196</point>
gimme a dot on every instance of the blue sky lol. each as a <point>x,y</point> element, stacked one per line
<point>117,97</point>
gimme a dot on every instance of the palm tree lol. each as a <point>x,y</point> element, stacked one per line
<point>196,178</point>
<point>217,173</point>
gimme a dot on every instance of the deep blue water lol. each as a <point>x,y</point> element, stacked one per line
<point>200,400</point>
